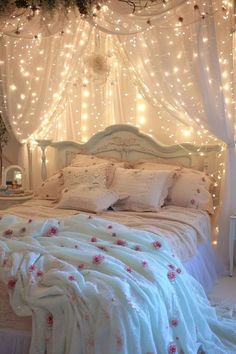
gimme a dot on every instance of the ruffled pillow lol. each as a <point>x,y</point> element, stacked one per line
<point>51,188</point>
<point>147,189</point>
<point>86,197</point>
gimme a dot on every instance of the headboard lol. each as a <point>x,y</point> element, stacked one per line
<point>126,142</point>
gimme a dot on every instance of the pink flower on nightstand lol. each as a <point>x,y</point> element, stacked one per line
<point>171,275</point>
<point>32,268</point>
<point>128,269</point>
<point>93,239</point>
<point>50,319</point>
<point>8,232</point>
<point>120,242</point>
<point>52,231</point>
<point>11,283</point>
<point>71,277</point>
<point>174,322</point>
<point>156,244</point>
<point>172,348</point>
<point>98,259</point>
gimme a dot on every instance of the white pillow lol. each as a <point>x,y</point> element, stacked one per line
<point>147,189</point>
<point>97,174</point>
<point>51,188</point>
<point>191,189</point>
<point>85,197</point>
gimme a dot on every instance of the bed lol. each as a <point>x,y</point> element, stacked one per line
<point>49,284</point>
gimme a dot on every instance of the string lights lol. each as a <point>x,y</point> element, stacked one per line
<point>55,96</point>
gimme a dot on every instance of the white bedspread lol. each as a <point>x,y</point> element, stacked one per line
<point>95,286</point>
<point>183,228</point>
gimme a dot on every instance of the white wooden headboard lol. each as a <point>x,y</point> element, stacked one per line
<point>125,142</point>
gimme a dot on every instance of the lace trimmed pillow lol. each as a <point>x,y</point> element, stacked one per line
<point>51,188</point>
<point>93,175</point>
<point>81,160</point>
<point>86,197</point>
<point>147,189</point>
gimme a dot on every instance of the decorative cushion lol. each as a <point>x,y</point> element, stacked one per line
<point>86,197</point>
<point>191,189</point>
<point>147,189</point>
<point>160,164</point>
<point>98,174</point>
<point>51,188</point>
<point>81,160</point>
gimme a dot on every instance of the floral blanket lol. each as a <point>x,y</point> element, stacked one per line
<point>95,286</point>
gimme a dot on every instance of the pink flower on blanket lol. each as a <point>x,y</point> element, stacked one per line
<point>39,273</point>
<point>50,319</point>
<point>23,230</point>
<point>30,220</point>
<point>11,283</point>
<point>81,266</point>
<point>32,268</point>
<point>52,231</point>
<point>171,266</point>
<point>156,244</point>
<point>137,248</point>
<point>8,233</point>
<point>93,239</point>
<point>172,348</point>
<point>128,269</point>
<point>171,275</point>
<point>109,226</point>
<point>174,322</point>
<point>72,277</point>
<point>121,242</point>
<point>178,270</point>
<point>98,259</point>
<point>144,264</point>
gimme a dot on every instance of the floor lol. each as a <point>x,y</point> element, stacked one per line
<point>225,290</point>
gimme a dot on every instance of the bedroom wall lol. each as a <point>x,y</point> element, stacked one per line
<point>11,152</point>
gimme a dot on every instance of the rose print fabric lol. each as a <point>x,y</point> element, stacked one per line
<point>93,286</point>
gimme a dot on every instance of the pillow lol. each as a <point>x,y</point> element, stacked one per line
<point>156,165</point>
<point>86,197</point>
<point>191,189</point>
<point>98,174</point>
<point>80,160</point>
<point>147,189</point>
<point>51,188</point>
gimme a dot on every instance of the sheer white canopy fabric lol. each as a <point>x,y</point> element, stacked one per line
<point>69,85</point>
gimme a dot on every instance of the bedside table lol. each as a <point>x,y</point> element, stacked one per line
<point>232,238</point>
<point>9,201</point>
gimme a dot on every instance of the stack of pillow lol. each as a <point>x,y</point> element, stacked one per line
<point>94,184</point>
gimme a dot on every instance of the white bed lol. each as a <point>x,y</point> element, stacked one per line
<point>188,231</point>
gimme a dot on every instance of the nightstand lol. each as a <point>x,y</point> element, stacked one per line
<point>11,200</point>
<point>232,238</point>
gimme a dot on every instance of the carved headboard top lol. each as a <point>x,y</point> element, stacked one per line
<point>125,142</point>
